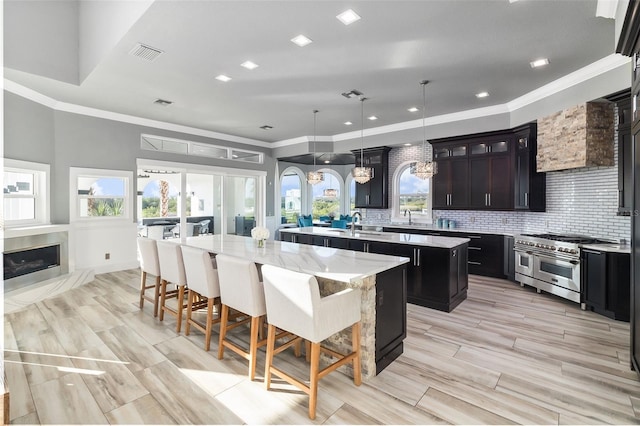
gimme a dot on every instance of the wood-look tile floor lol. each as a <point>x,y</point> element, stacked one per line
<point>505,355</point>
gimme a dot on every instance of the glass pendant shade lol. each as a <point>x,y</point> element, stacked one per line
<point>314,177</point>
<point>361,174</point>
<point>424,169</point>
<point>330,192</point>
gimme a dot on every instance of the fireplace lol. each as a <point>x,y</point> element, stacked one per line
<point>22,262</point>
<point>34,258</point>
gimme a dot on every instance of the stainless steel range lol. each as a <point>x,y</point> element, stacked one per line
<point>551,262</point>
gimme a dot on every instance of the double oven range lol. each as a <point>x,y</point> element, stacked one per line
<point>551,262</point>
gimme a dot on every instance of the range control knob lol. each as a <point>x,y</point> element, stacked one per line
<point>573,251</point>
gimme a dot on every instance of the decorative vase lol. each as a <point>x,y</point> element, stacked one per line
<point>260,243</point>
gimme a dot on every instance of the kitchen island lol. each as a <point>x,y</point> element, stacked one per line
<point>381,280</point>
<point>437,275</point>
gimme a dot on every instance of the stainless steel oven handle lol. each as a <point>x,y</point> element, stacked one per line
<point>573,262</point>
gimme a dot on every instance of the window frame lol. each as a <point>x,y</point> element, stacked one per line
<point>341,190</point>
<point>75,199</point>
<point>396,215</point>
<point>41,191</point>
<point>289,171</point>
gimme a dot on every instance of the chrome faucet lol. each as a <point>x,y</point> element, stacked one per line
<point>353,222</point>
<point>405,213</point>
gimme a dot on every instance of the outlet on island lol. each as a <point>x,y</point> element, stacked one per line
<point>107,256</point>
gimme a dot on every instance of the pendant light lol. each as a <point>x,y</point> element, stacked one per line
<point>330,192</point>
<point>424,169</point>
<point>362,174</point>
<point>314,176</point>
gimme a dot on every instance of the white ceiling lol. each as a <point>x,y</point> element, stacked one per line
<point>462,46</point>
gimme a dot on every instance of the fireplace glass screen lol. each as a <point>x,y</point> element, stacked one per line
<point>24,262</point>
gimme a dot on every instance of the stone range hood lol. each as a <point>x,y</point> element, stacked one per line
<point>581,136</point>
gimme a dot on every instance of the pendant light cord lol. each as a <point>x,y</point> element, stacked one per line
<point>315,113</point>
<point>424,127</point>
<point>362,134</point>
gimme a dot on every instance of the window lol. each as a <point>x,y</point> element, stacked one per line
<point>290,197</point>
<point>101,193</point>
<point>412,194</point>
<point>26,190</point>
<point>199,149</point>
<point>160,197</point>
<point>325,204</point>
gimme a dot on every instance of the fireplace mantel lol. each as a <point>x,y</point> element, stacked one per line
<point>23,231</point>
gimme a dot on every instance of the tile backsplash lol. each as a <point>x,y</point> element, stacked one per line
<point>579,201</point>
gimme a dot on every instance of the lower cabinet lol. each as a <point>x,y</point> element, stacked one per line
<point>391,315</point>
<point>605,283</point>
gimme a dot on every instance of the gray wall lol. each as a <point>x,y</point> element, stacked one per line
<point>36,133</point>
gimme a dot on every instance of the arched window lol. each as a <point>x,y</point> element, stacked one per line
<point>327,195</point>
<point>290,196</point>
<point>411,193</point>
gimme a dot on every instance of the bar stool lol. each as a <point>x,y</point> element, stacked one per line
<point>294,304</point>
<point>171,271</point>
<point>149,265</point>
<point>204,289</point>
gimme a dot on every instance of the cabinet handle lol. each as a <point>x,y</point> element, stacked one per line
<point>414,257</point>
<point>474,248</point>
<point>473,263</point>
<point>366,247</point>
<point>454,253</point>
<point>489,196</point>
<point>620,198</point>
<point>591,251</point>
<point>367,199</point>
<point>418,257</point>
<point>326,242</point>
<point>477,237</point>
<point>526,199</point>
<point>486,199</point>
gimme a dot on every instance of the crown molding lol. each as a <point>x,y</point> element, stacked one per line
<point>37,97</point>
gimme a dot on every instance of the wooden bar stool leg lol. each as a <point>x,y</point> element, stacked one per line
<point>307,350</point>
<point>224,317</point>
<point>271,342</point>
<point>163,298</point>
<point>313,379</point>
<point>207,338</point>
<point>143,284</point>
<point>253,347</point>
<point>190,297</point>
<point>179,310</point>
<point>355,342</point>
<point>156,297</point>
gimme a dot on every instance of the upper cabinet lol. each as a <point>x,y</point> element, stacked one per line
<point>625,154</point>
<point>489,171</point>
<point>373,194</point>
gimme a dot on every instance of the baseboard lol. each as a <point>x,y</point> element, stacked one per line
<point>115,267</point>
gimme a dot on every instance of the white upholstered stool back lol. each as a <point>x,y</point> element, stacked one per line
<point>240,286</point>
<point>149,265</point>
<point>172,271</point>
<point>201,273</point>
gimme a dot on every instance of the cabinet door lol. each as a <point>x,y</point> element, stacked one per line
<point>594,278</point>
<point>479,180</point>
<point>500,195</point>
<point>625,158</point>
<point>441,184</point>
<point>522,172</point>
<point>459,189</point>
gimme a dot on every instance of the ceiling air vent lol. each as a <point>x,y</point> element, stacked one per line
<point>162,102</point>
<point>145,52</point>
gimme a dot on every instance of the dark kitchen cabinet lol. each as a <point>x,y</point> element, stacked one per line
<point>629,45</point>
<point>451,187</point>
<point>606,282</point>
<point>529,185</point>
<point>509,258</point>
<point>373,194</point>
<point>489,171</point>
<point>625,154</point>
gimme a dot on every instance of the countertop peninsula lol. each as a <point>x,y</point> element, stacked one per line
<point>325,262</point>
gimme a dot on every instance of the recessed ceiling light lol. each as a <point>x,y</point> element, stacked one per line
<point>223,77</point>
<point>413,109</point>
<point>249,65</point>
<point>407,144</point>
<point>482,94</point>
<point>539,63</point>
<point>326,161</point>
<point>301,40</point>
<point>348,17</point>
<point>372,117</point>
<point>512,1</point>
<point>266,127</point>
<point>348,123</point>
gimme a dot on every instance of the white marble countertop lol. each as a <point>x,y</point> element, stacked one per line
<point>613,248</point>
<point>325,262</point>
<point>387,237</point>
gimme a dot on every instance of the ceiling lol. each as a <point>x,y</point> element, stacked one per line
<point>462,46</point>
